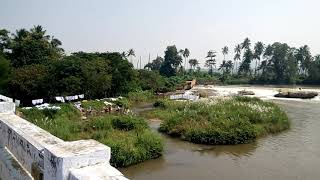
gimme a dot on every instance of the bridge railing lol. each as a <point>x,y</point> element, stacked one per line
<point>45,156</point>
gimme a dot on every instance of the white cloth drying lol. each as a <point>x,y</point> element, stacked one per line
<point>37,101</point>
<point>71,98</point>
<point>60,99</point>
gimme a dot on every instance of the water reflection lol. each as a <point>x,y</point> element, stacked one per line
<point>293,154</point>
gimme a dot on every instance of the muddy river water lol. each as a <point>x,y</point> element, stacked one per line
<point>293,154</point>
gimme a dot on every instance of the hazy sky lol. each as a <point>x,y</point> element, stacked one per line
<point>148,26</point>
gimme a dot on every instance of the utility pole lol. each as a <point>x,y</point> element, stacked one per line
<point>140,62</point>
<point>149,61</point>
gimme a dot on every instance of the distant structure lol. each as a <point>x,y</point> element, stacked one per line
<point>190,84</point>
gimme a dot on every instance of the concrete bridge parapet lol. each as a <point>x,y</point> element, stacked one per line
<point>41,155</point>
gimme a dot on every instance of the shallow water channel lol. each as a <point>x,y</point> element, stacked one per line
<point>293,154</point>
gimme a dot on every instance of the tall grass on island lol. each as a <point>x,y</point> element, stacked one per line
<point>129,137</point>
<point>233,120</point>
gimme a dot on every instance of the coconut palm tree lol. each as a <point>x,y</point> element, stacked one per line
<point>186,54</point>
<point>130,54</point>
<point>237,56</point>
<point>258,51</point>
<point>229,66</point>
<point>222,66</point>
<point>211,62</point>
<point>225,51</point>
<point>246,44</point>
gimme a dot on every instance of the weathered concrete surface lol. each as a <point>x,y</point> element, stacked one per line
<point>5,98</point>
<point>78,154</point>
<point>44,155</point>
<point>7,107</point>
<point>92,172</point>
<point>10,168</point>
<point>25,140</point>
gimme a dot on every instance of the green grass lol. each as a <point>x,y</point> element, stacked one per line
<point>140,97</point>
<point>129,137</point>
<point>236,120</point>
<point>95,105</point>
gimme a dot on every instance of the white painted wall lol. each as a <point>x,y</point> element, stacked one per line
<point>56,159</point>
<point>7,107</point>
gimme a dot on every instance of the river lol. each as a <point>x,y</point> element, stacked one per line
<point>290,155</point>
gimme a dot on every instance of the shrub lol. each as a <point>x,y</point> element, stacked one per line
<point>127,123</point>
<point>221,121</point>
<point>129,137</point>
<point>122,102</point>
<point>160,104</point>
<point>96,105</point>
<point>140,96</point>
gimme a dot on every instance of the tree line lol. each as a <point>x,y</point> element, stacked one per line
<point>276,63</point>
<point>34,65</point>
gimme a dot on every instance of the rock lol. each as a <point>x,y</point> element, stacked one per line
<point>245,93</point>
<point>297,94</point>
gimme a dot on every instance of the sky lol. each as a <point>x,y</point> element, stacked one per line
<point>149,26</point>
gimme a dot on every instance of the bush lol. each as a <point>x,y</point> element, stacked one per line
<point>127,123</point>
<point>133,148</point>
<point>140,96</point>
<point>159,103</point>
<point>129,137</point>
<point>221,121</point>
<point>122,102</point>
<point>96,105</point>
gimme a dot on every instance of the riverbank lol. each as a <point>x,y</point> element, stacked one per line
<point>129,137</point>
<point>230,120</point>
<point>262,92</point>
<point>290,155</point>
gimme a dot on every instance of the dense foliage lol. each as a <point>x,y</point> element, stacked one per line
<point>129,137</point>
<point>220,121</point>
<point>33,65</point>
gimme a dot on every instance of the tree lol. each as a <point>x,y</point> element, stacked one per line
<point>225,51</point>
<point>4,72</point>
<point>211,62</point>
<point>4,40</point>
<point>314,71</point>
<point>258,51</point>
<point>67,76</point>
<point>30,82</point>
<point>280,64</point>
<point>246,44</point>
<point>245,68</point>
<point>33,47</point>
<point>304,58</point>
<point>172,61</point>
<point>245,65</point>
<point>124,77</point>
<point>229,66</point>
<point>237,56</point>
<point>186,54</point>
<point>222,66</point>
<point>155,64</point>
<point>97,78</point>
<point>130,54</point>
<point>226,67</point>
<point>193,63</point>
<point>151,80</point>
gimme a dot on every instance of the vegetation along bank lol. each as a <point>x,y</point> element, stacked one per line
<point>129,137</point>
<point>234,120</point>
